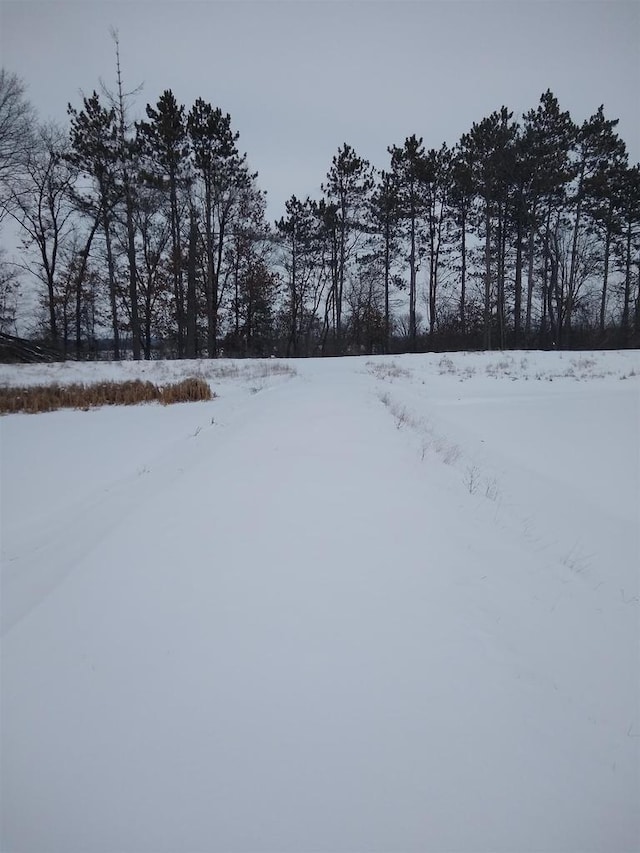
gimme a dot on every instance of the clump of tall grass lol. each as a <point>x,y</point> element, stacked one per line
<point>48,398</point>
<point>190,390</point>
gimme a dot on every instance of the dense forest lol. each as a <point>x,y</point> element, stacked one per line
<point>149,238</point>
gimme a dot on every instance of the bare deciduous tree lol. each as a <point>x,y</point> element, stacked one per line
<point>40,204</point>
<point>17,120</point>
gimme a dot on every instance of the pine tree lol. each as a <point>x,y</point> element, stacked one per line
<point>597,146</point>
<point>153,267</point>
<point>162,142</point>
<point>630,220</point>
<point>461,197</point>
<point>603,202</point>
<point>408,168</point>
<point>299,241</point>
<point>491,142</point>
<point>94,152</point>
<point>385,204</point>
<point>436,182</point>
<point>248,243</point>
<point>543,151</point>
<point>348,185</point>
<point>258,290</point>
<point>223,175</point>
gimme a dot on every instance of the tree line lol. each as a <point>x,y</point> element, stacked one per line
<point>150,237</point>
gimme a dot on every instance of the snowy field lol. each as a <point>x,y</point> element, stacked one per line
<point>368,604</point>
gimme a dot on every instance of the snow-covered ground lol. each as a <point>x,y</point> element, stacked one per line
<point>370,604</point>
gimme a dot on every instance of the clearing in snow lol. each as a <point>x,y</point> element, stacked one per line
<point>365,604</point>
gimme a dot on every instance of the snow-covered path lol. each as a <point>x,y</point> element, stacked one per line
<point>287,631</point>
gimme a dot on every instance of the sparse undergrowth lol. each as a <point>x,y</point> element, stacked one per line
<point>580,367</point>
<point>48,398</point>
<point>389,370</point>
<point>245,370</point>
<point>448,451</point>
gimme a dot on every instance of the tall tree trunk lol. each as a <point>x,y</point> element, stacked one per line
<point>147,324</point>
<point>133,274</point>
<point>340,293</point>
<point>80,280</point>
<point>211,295</point>
<point>627,284</point>
<point>387,265</point>
<point>637,319</point>
<point>555,319</point>
<point>432,277</point>
<point>463,272</point>
<point>530,260</point>
<point>176,256</point>
<point>49,267</point>
<point>65,329</point>
<point>412,286</point>
<point>605,278</point>
<point>190,349</point>
<point>546,289</point>
<point>517,306</point>
<point>236,283</point>
<point>53,323</point>
<point>573,270</point>
<point>216,294</point>
<point>293,320</point>
<point>434,268</point>
<point>326,324</point>
<point>501,264</point>
<point>487,277</point>
<point>211,314</point>
<point>112,283</point>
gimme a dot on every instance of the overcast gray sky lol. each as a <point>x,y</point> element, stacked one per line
<point>300,78</point>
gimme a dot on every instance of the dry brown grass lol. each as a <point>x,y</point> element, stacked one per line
<point>187,391</point>
<point>48,398</point>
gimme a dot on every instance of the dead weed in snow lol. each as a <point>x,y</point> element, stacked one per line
<point>48,398</point>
